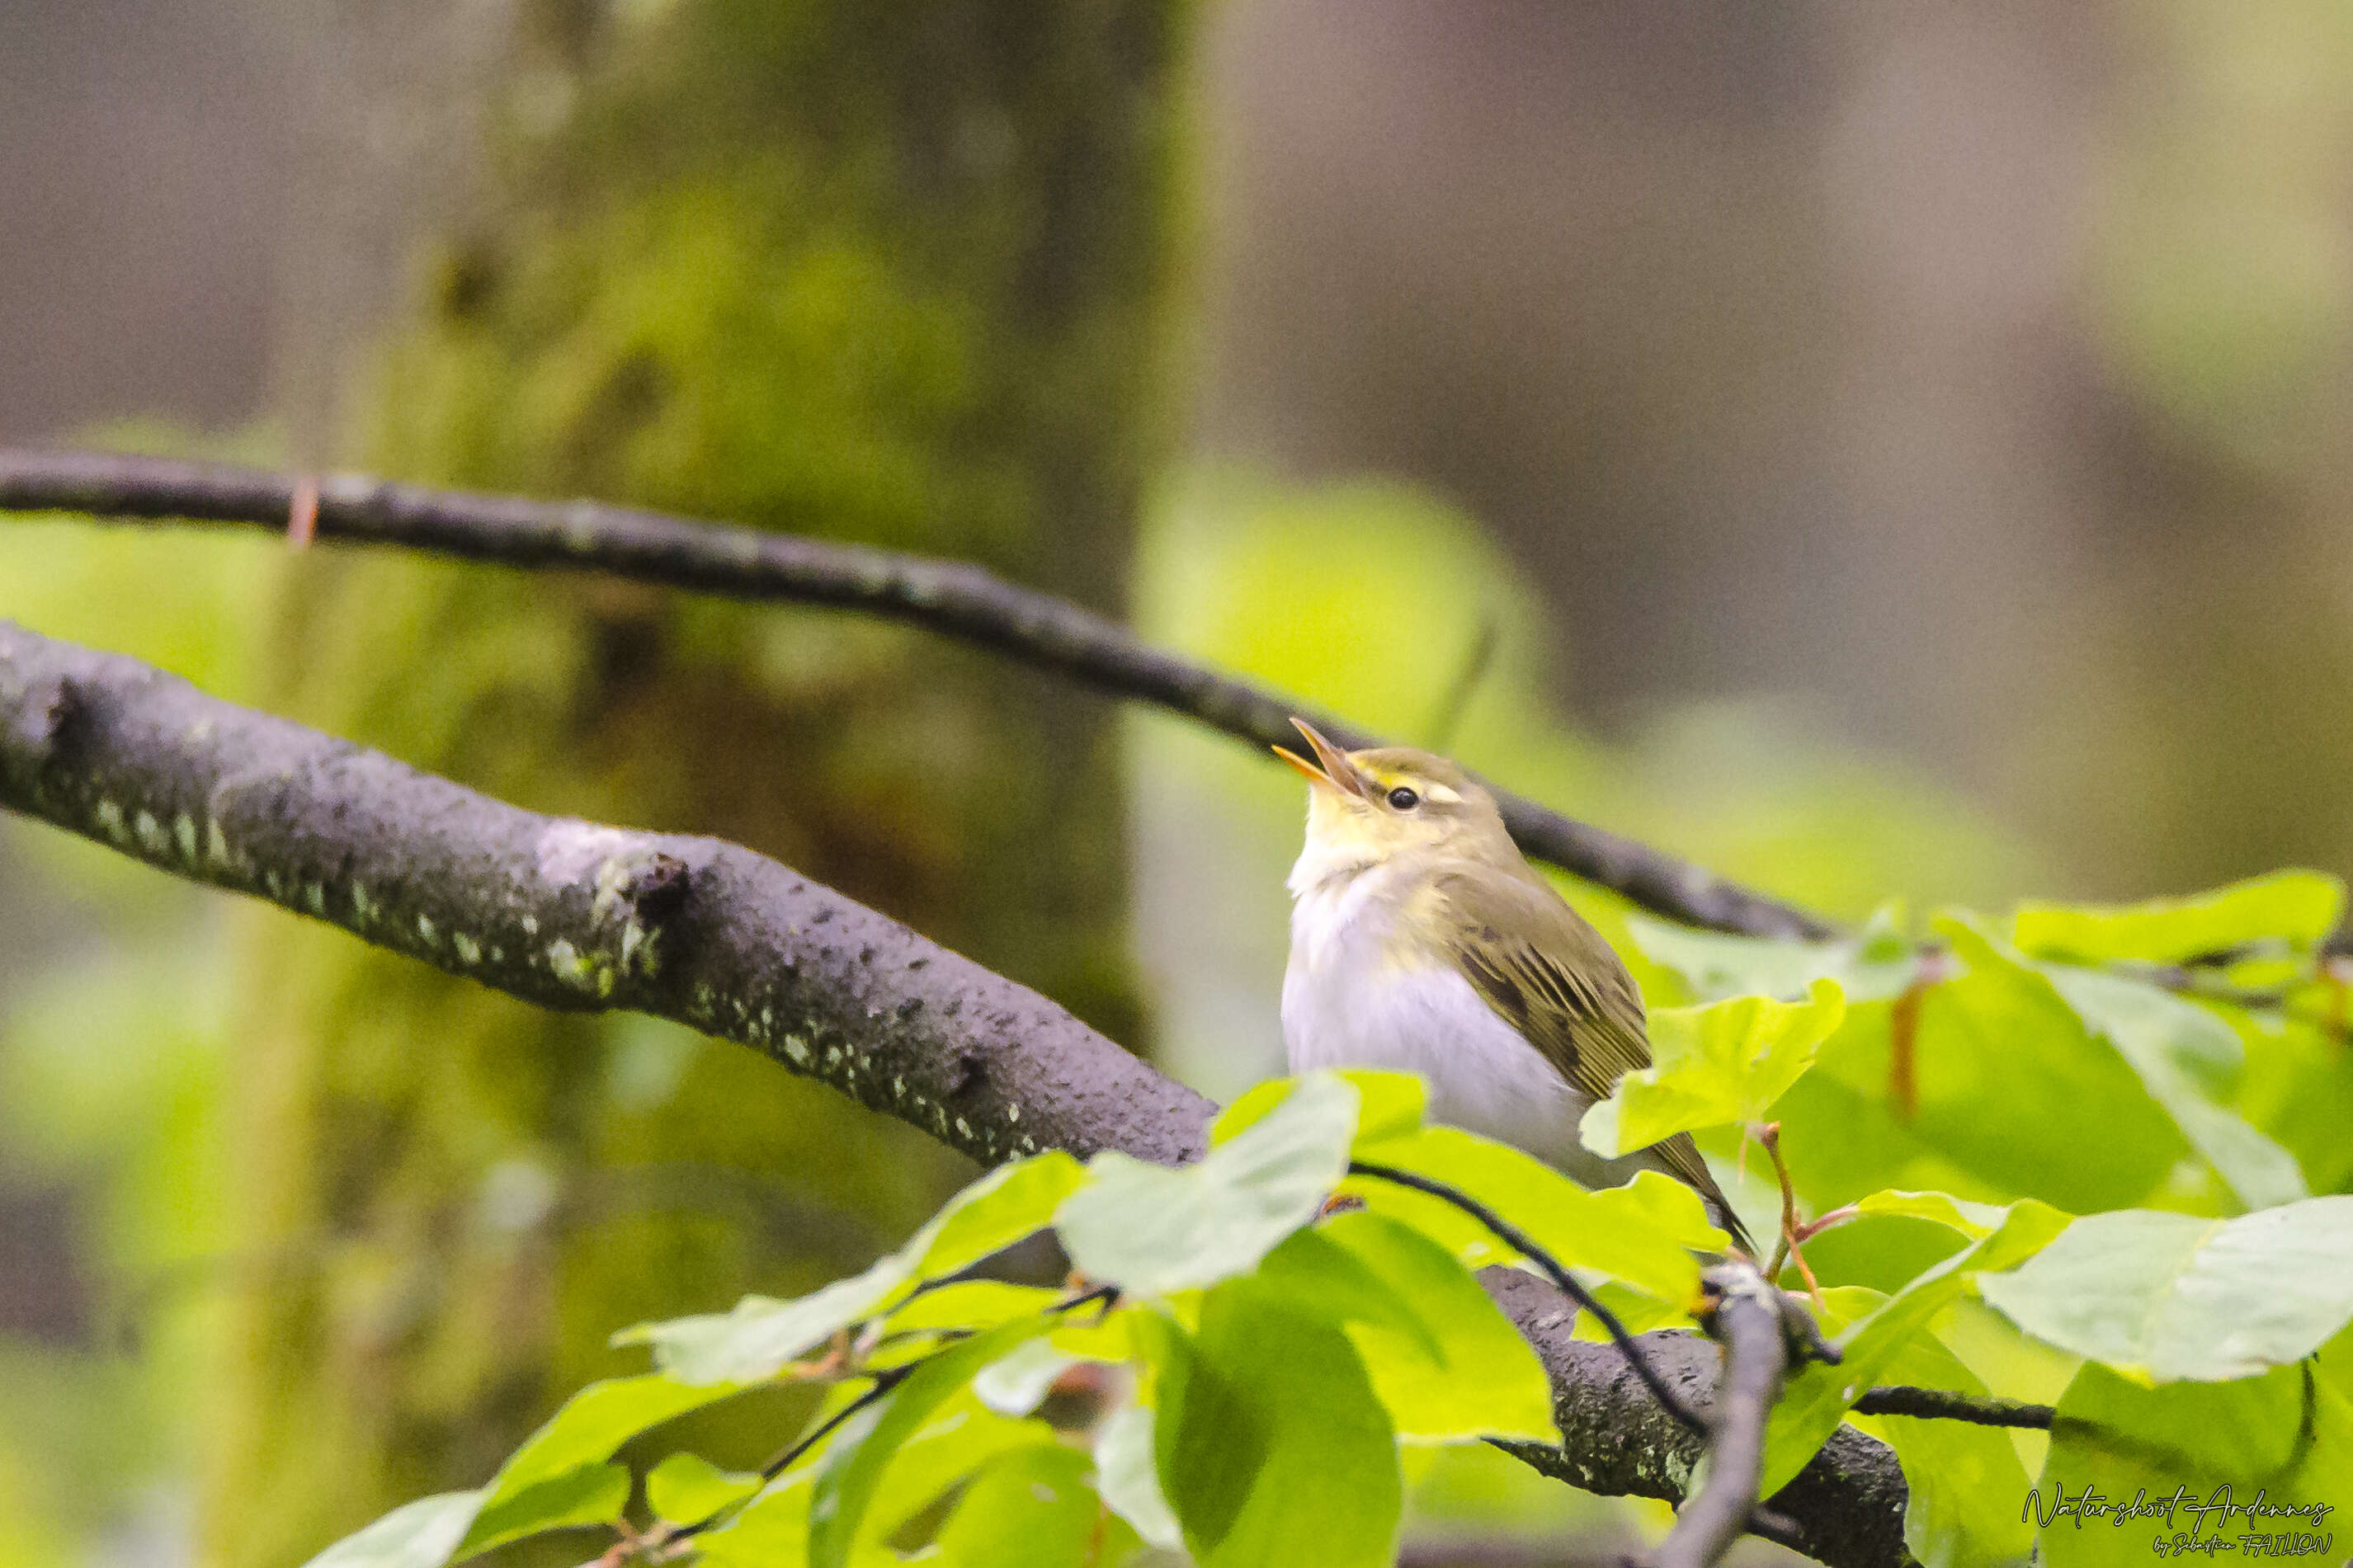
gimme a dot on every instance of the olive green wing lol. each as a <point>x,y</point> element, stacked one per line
<point>1551,976</point>
<point>1548,973</point>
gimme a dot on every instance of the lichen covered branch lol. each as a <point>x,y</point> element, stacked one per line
<point>947,596</point>
<point>565,913</point>
<point>1845,1508</point>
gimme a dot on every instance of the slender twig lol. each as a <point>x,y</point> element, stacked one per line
<point>1788,1250</point>
<point>1894,1399</point>
<point>1940,1404</point>
<point>1747,1319</point>
<point>950,597</point>
<point>1447,716</point>
<point>1107,1295</point>
<point>884,1382</point>
<point>1521,1242</point>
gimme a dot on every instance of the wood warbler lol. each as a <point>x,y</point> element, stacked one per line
<point>1422,941</point>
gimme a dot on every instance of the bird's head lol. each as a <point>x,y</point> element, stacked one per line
<point>1368,807</point>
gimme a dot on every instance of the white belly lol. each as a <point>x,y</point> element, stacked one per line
<point>1344,1004</point>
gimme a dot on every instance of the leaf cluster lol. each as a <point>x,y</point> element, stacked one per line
<point>1236,1373</point>
<point>2069,1155</point>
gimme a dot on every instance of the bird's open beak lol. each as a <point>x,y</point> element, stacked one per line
<point>1337,771</point>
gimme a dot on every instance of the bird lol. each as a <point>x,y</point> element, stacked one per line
<point>1423,941</point>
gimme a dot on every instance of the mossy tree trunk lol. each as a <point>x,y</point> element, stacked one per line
<point>890,273</point>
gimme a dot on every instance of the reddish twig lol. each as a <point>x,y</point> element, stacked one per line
<point>303,513</point>
<point>1903,1034</point>
<point>1790,1250</point>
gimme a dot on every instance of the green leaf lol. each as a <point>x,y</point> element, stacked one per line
<point>2185,1055</point>
<point>2286,1436</point>
<point>2179,1057</point>
<point>592,1494</point>
<point>761,1334</point>
<point>687,1488</point>
<point>1643,1233</point>
<point>769,1532</point>
<point>847,1481</point>
<point>1973,1220</point>
<point>2182,1054</point>
<point>421,1534</point>
<point>2299,907</point>
<point>1724,1062</point>
<point>1961,1481</point>
<point>1016,1383</point>
<point>2018,1094</point>
<point>970,1304</point>
<point>2161,1296</point>
<point>1150,1229</point>
<point>1128,1477</point>
<point>1002,1207</point>
<point>1316,1273</point>
<point>1844,1137</point>
<point>960,1435</point>
<point>1110,1338</point>
<point>1817,1399</point>
<point>1872,965</point>
<point>559,1478</point>
<point>1032,1508</point>
<point>1270,1443</point>
<point>1389,1104</point>
<point>2295,1087</point>
<point>772,1529</point>
<point>1455,1369</point>
<point>593,1424</point>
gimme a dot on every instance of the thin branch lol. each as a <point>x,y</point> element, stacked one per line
<point>1525,1244</point>
<point>1789,1248</point>
<point>950,597</point>
<point>1939,1404</point>
<point>884,1382</point>
<point>1747,1319</point>
<point>1447,717</point>
<point>571,915</point>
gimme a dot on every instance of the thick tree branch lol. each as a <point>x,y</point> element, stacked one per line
<point>568,914</point>
<point>952,597</point>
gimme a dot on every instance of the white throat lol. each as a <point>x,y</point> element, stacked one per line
<point>1326,869</point>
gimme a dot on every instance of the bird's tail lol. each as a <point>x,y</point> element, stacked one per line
<point>1682,1158</point>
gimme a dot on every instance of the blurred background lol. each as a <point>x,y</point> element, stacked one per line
<point>1879,453</point>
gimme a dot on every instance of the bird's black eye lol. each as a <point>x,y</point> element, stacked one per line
<point>1403,798</point>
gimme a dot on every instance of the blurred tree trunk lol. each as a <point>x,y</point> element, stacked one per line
<point>895,274</point>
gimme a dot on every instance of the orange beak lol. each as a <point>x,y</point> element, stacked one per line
<point>1337,771</point>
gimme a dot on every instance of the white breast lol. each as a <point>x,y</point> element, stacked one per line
<point>1346,1001</point>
